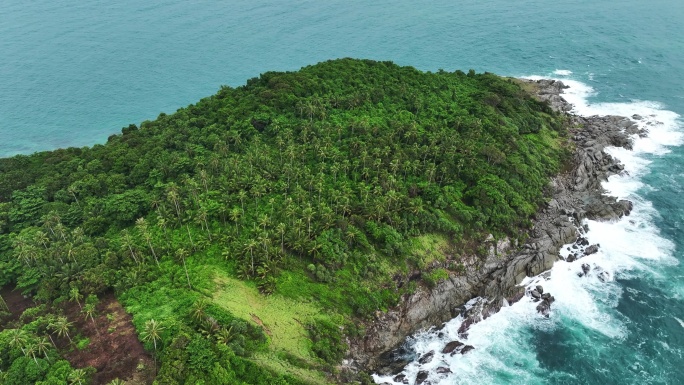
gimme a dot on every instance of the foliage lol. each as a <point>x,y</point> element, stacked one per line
<point>310,185</point>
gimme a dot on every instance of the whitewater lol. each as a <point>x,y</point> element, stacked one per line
<point>585,315</point>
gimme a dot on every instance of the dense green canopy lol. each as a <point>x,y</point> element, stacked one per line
<point>327,173</point>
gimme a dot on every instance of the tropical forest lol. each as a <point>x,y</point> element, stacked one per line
<point>244,239</point>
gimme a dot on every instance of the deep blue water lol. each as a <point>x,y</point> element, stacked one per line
<point>72,73</point>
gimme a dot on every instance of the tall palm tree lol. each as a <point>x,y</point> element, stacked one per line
<point>17,339</point>
<point>182,254</point>
<point>77,376</point>
<point>127,243</point>
<point>199,309</point>
<point>42,347</point>
<point>61,326</point>
<point>89,311</point>
<point>76,296</point>
<point>152,332</point>
<point>31,352</point>
<point>141,225</point>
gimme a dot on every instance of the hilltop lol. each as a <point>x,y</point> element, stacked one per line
<point>250,234</point>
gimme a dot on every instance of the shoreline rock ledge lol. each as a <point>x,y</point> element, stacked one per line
<point>576,194</point>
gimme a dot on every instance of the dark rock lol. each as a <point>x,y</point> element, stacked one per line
<point>551,300</point>
<point>544,308</point>
<point>421,377</point>
<point>637,117</point>
<point>546,295</point>
<point>535,294</point>
<point>467,348</point>
<point>571,258</point>
<point>401,378</point>
<point>393,367</point>
<point>451,346</point>
<point>586,268</point>
<point>540,289</point>
<point>593,249</point>
<point>443,370</point>
<point>516,297</point>
<point>427,357</point>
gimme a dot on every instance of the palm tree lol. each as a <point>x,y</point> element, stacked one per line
<point>127,243</point>
<point>42,346</point>
<point>17,339</point>
<point>117,381</point>
<point>31,351</point>
<point>61,325</point>
<point>152,332</point>
<point>281,228</point>
<point>77,376</point>
<point>89,311</point>
<point>235,214</point>
<point>199,309</point>
<point>75,295</point>
<point>182,254</point>
<point>249,246</point>
<point>141,225</point>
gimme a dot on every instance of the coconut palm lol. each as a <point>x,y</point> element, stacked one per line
<point>17,339</point>
<point>89,311</point>
<point>152,332</point>
<point>141,225</point>
<point>182,254</point>
<point>42,347</point>
<point>199,309</point>
<point>61,326</point>
<point>77,376</point>
<point>76,296</point>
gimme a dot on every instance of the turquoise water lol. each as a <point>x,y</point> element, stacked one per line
<point>72,73</point>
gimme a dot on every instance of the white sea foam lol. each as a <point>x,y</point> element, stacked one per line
<point>503,349</point>
<point>680,321</point>
<point>562,72</point>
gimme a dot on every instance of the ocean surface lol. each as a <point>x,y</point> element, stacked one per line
<point>72,73</point>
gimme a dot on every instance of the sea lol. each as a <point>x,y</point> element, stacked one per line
<point>74,72</point>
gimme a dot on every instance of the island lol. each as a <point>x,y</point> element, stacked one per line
<point>293,230</point>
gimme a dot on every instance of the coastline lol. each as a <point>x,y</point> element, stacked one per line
<point>487,285</point>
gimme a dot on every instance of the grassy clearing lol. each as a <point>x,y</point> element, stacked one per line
<point>428,248</point>
<point>283,320</point>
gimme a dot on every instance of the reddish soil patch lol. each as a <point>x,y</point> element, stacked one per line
<point>114,349</point>
<point>16,304</point>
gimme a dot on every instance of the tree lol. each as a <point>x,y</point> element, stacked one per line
<point>61,326</point>
<point>42,347</point>
<point>152,332</point>
<point>17,339</point>
<point>127,243</point>
<point>77,376</point>
<point>182,254</point>
<point>89,311</point>
<point>76,296</point>
<point>141,225</point>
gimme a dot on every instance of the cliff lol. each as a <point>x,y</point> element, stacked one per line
<point>576,194</point>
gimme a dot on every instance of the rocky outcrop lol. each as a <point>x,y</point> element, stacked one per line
<point>576,194</point>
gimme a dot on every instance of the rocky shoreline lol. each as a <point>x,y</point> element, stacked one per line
<point>486,285</point>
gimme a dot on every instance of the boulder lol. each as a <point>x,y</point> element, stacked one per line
<point>421,377</point>
<point>540,289</point>
<point>451,346</point>
<point>535,294</point>
<point>593,249</point>
<point>443,370</point>
<point>427,357</point>
<point>467,348</point>
<point>401,378</point>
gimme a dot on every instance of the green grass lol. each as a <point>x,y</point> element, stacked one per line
<point>428,248</point>
<point>283,320</point>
